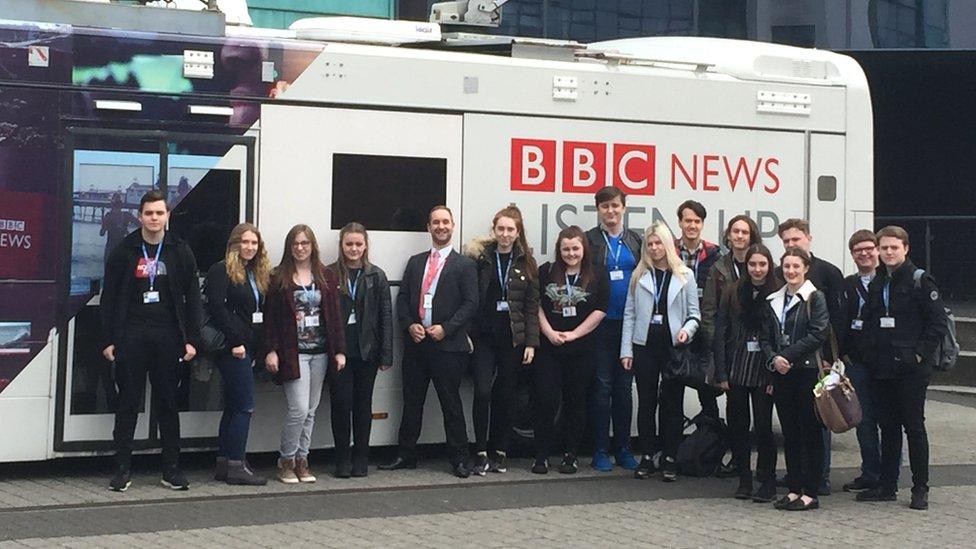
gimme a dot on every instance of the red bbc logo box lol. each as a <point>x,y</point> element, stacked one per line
<point>584,166</point>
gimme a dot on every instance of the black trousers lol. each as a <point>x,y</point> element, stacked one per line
<point>648,362</point>
<point>351,394</point>
<point>560,382</point>
<point>802,431</point>
<point>158,352</point>
<point>901,405</point>
<point>494,371</point>
<point>740,419</point>
<point>423,363</point>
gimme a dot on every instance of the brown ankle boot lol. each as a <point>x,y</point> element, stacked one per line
<point>286,471</point>
<point>301,470</point>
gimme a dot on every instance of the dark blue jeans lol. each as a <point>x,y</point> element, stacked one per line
<point>238,384</point>
<point>868,434</point>
<point>611,394</point>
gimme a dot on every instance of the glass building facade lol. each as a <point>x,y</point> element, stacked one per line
<point>827,24</point>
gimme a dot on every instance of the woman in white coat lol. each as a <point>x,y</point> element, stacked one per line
<point>661,313</point>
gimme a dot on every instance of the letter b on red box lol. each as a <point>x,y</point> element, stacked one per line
<point>584,167</point>
<point>533,165</point>
<point>633,168</point>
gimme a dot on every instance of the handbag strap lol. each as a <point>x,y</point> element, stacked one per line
<point>832,337</point>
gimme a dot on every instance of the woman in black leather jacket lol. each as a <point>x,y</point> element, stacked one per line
<point>366,310</point>
<point>799,329</point>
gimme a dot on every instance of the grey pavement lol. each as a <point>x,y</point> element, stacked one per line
<point>70,506</point>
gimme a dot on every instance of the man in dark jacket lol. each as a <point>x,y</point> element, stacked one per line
<point>699,255</point>
<point>906,324</point>
<point>863,246</point>
<point>795,233</point>
<point>611,396</point>
<point>438,298</point>
<point>151,312</point>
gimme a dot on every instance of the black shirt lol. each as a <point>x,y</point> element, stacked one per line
<point>161,314</point>
<point>501,323</point>
<point>659,335</point>
<point>595,296</point>
<point>346,306</point>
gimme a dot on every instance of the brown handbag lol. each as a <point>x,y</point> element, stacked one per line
<point>837,407</point>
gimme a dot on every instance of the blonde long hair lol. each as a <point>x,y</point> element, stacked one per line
<point>260,265</point>
<point>645,265</point>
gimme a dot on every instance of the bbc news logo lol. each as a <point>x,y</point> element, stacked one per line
<point>13,225</point>
<point>584,166</point>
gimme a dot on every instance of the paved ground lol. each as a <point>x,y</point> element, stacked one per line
<point>65,504</point>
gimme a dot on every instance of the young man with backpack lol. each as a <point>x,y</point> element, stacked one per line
<point>907,324</point>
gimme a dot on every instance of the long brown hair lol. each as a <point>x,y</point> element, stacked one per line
<point>512,212</point>
<point>284,273</point>
<point>754,236</point>
<point>341,269</point>
<point>558,272</point>
<point>236,266</point>
<point>740,296</point>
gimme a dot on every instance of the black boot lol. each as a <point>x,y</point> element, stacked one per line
<point>238,473</point>
<point>220,470</point>
<point>766,491</point>
<point>343,467</point>
<point>360,465</point>
<point>744,491</point>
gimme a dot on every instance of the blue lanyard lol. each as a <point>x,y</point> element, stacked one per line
<point>569,287</point>
<point>153,268</point>
<point>886,295</point>
<point>309,292</point>
<point>782,321</point>
<point>503,279</point>
<point>254,288</point>
<point>616,254</point>
<point>353,284</point>
<point>657,297</point>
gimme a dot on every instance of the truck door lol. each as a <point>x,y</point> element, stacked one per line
<point>829,222</point>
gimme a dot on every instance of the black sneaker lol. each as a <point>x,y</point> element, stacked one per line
<point>541,466</point>
<point>569,465</point>
<point>669,470</point>
<point>859,484</point>
<point>499,463</point>
<point>121,481</point>
<point>174,479</point>
<point>877,493</point>
<point>920,500</point>
<point>480,464</point>
<point>645,468</point>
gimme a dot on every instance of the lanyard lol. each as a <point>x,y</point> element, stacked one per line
<point>152,268</point>
<point>503,279</point>
<point>616,253</point>
<point>352,285</point>
<point>254,288</point>
<point>886,295</point>
<point>782,321</point>
<point>862,294</point>
<point>735,268</point>
<point>657,291</point>
<point>569,287</point>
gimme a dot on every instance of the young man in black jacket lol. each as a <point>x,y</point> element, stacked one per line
<point>151,312</point>
<point>906,323</point>
<point>795,233</point>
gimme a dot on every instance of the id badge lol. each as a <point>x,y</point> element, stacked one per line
<point>569,312</point>
<point>657,319</point>
<point>616,275</point>
<point>150,297</point>
<point>701,292</point>
<point>428,301</point>
<point>257,318</point>
<point>752,346</point>
<point>887,322</point>
<point>857,324</point>
<point>311,321</point>
<point>501,306</point>
<point>352,318</point>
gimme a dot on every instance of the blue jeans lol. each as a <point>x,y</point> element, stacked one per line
<point>238,385</point>
<point>611,395</point>
<point>868,435</point>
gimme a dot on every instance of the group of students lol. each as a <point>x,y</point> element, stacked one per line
<point>613,305</point>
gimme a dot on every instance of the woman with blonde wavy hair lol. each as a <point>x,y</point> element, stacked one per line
<point>235,290</point>
<point>661,313</point>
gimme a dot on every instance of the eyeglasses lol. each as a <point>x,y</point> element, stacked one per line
<point>863,251</point>
<point>304,244</point>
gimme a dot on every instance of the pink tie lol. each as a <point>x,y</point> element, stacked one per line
<point>432,263</point>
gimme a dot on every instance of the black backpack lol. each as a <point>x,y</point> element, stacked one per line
<point>700,453</point>
<point>948,351</point>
